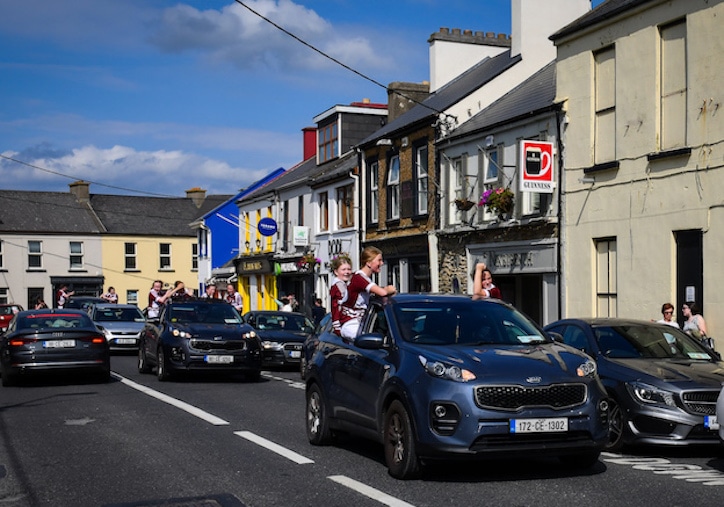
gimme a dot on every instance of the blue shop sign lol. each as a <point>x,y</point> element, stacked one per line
<point>267,226</point>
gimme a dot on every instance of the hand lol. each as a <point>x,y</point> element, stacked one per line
<point>480,266</point>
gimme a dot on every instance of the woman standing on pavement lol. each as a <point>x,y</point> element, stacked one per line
<point>694,323</point>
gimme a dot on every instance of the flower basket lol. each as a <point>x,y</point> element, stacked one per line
<point>463,204</point>
<point>308,262</point>
<point>498,200</point>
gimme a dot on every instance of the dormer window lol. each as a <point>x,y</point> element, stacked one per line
<point>328,142</point>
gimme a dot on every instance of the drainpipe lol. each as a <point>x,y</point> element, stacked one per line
<point>561,228</point>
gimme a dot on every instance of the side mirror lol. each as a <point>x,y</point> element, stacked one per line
<point>370,341</point>
<point>556,336</point>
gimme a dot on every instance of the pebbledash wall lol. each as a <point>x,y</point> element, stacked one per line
<point>629,213</point>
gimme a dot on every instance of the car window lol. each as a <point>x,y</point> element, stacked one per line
<point>632,341</point>
<point>574,336</point>
<point>464,322</point>
<point>53,321</point>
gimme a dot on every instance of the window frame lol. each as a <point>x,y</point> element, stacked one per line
<point>673,84</point>
<point>604,104</point>
<point>606,260</point>
<point>35,255</point>
<point>130,256</point>
<point>393,187</point>
<point>345,206</point>
<point>79,256</point>
<point>422,178</point>
<point>373,196</point>
<point>323,206</point>
<point>328,141</point>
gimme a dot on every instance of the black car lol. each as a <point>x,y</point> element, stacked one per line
<point>199,335</point>
<point>663,384</point>
<point>282,335</point>
<point>310,343</point>
<point>53,342</point>
<point>82,302</point>
<point>446,376</point>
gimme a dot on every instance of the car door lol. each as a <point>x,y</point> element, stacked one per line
<point>365,372</point>
<point>150,335</point>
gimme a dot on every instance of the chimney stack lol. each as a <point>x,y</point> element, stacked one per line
<point>197,195</point>
<point>81,190</point>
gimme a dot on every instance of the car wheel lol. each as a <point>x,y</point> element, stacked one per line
<point>143,366</point>
<point>253,375</point>
<point>9,379</point>
<point>616,426</point>
<point>399,443</point>
<point>318,431</point>
<point>162,371</point>
<point>582,460</point>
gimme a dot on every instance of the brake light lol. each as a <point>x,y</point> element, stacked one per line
<point>97,339</point>
<point>17,343</point>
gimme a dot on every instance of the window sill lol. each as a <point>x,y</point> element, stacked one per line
<point>606,166</point>
<point>35,270</point>
<point>132,270</point>
<point>679,152</point>
<point>166,270</point>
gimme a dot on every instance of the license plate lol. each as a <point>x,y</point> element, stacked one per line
<point>59,344</point>
<point>547,425</point>
<point>295,354</point>
<point>126,341</point>
<point>710,422</point>
<point>219,359</point>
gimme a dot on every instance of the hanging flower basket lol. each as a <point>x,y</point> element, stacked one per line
<point>308,262</point>
<point>498,200</point>
<point>463,204</point>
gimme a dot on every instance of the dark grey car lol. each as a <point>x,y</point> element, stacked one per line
<point>663,384</point>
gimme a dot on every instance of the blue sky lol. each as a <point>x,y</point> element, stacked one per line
<point>159,96</point>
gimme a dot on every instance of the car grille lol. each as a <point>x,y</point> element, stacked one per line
<point>217,345</point>
<point>513,397</point>
<point>292,346</point>
<point>700,402</point>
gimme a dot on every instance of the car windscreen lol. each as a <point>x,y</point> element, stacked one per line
<point>54,321</point>
<point>204,313</point>
<point>282,321</point>
<point>465,322</point>
<point>118,315</point>
<point>652,342</point>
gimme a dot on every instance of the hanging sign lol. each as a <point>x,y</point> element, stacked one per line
<point>536,167</point>
<point>267,226</point>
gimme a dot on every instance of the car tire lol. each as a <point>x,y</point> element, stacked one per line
<point>253,375</point>
<point>399,443</point>
<point>616,426</point>
<point>9,379</point>
<point>318,431</point>
<point>582,460</point>
<point>143,366</point>
<point>162,371</point>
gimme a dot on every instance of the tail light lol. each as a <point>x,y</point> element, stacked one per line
<point>98,339</point>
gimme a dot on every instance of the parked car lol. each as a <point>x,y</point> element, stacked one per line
<point>53,341</point>
<point>7,312</point>
<point>663,384</point>
<point>720,413</point>
<point>121,324</point>
<point>310,343</point>
<point>444,376</point>
<point>199,335</point>
<point>282,335</point>
<point>82,302</point>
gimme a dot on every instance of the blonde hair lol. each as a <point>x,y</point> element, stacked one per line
<point>368,254</point>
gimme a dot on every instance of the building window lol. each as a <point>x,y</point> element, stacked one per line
<point>345,206</point>
<point>328,142</point>
<point>130,256</point>
<point>323,211</point>
<point>2,254</point>
<point>300,210</point>
<point>164,250</point>
<point>673,85</point>
<point>393,188</point>
<point>421,175</point>
<point>489,169</point>
<point>373,200</point>
<point>4,295</point>
<point>195,257</point>
<point>456,190</point>
<point>605,105</point>
<point>76,255</point>
<point>132,297</point>
<point>606,260</point>
<point>35,254</point>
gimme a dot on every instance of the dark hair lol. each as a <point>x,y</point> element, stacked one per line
<point>666,306</point>
<point>693,307</point>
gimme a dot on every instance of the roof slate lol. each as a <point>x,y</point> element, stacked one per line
<point>452,93</point>
<point>602,12</point>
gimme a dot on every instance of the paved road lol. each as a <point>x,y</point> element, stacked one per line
<point>215,441</point>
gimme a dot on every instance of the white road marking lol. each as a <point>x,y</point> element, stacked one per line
<point>369,492</point>
<point>661,466</point>
<point>268,444</point>
<point>216,421</point>
<point>292,383</point>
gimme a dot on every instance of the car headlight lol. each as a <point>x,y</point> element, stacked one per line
<point>441,370</point>
<point>651,395</point>
<point>249,336</point>
<point>587,369</point>
<point>107,334</point>
<point>272,345</point>
<point>180,333</point>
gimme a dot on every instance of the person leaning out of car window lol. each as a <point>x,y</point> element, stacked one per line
<point>156,298</point>
<point>483,286</point>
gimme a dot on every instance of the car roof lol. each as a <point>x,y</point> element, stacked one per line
<point>273,312</point>
<point>607,321</point>
<point>114,305</point>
